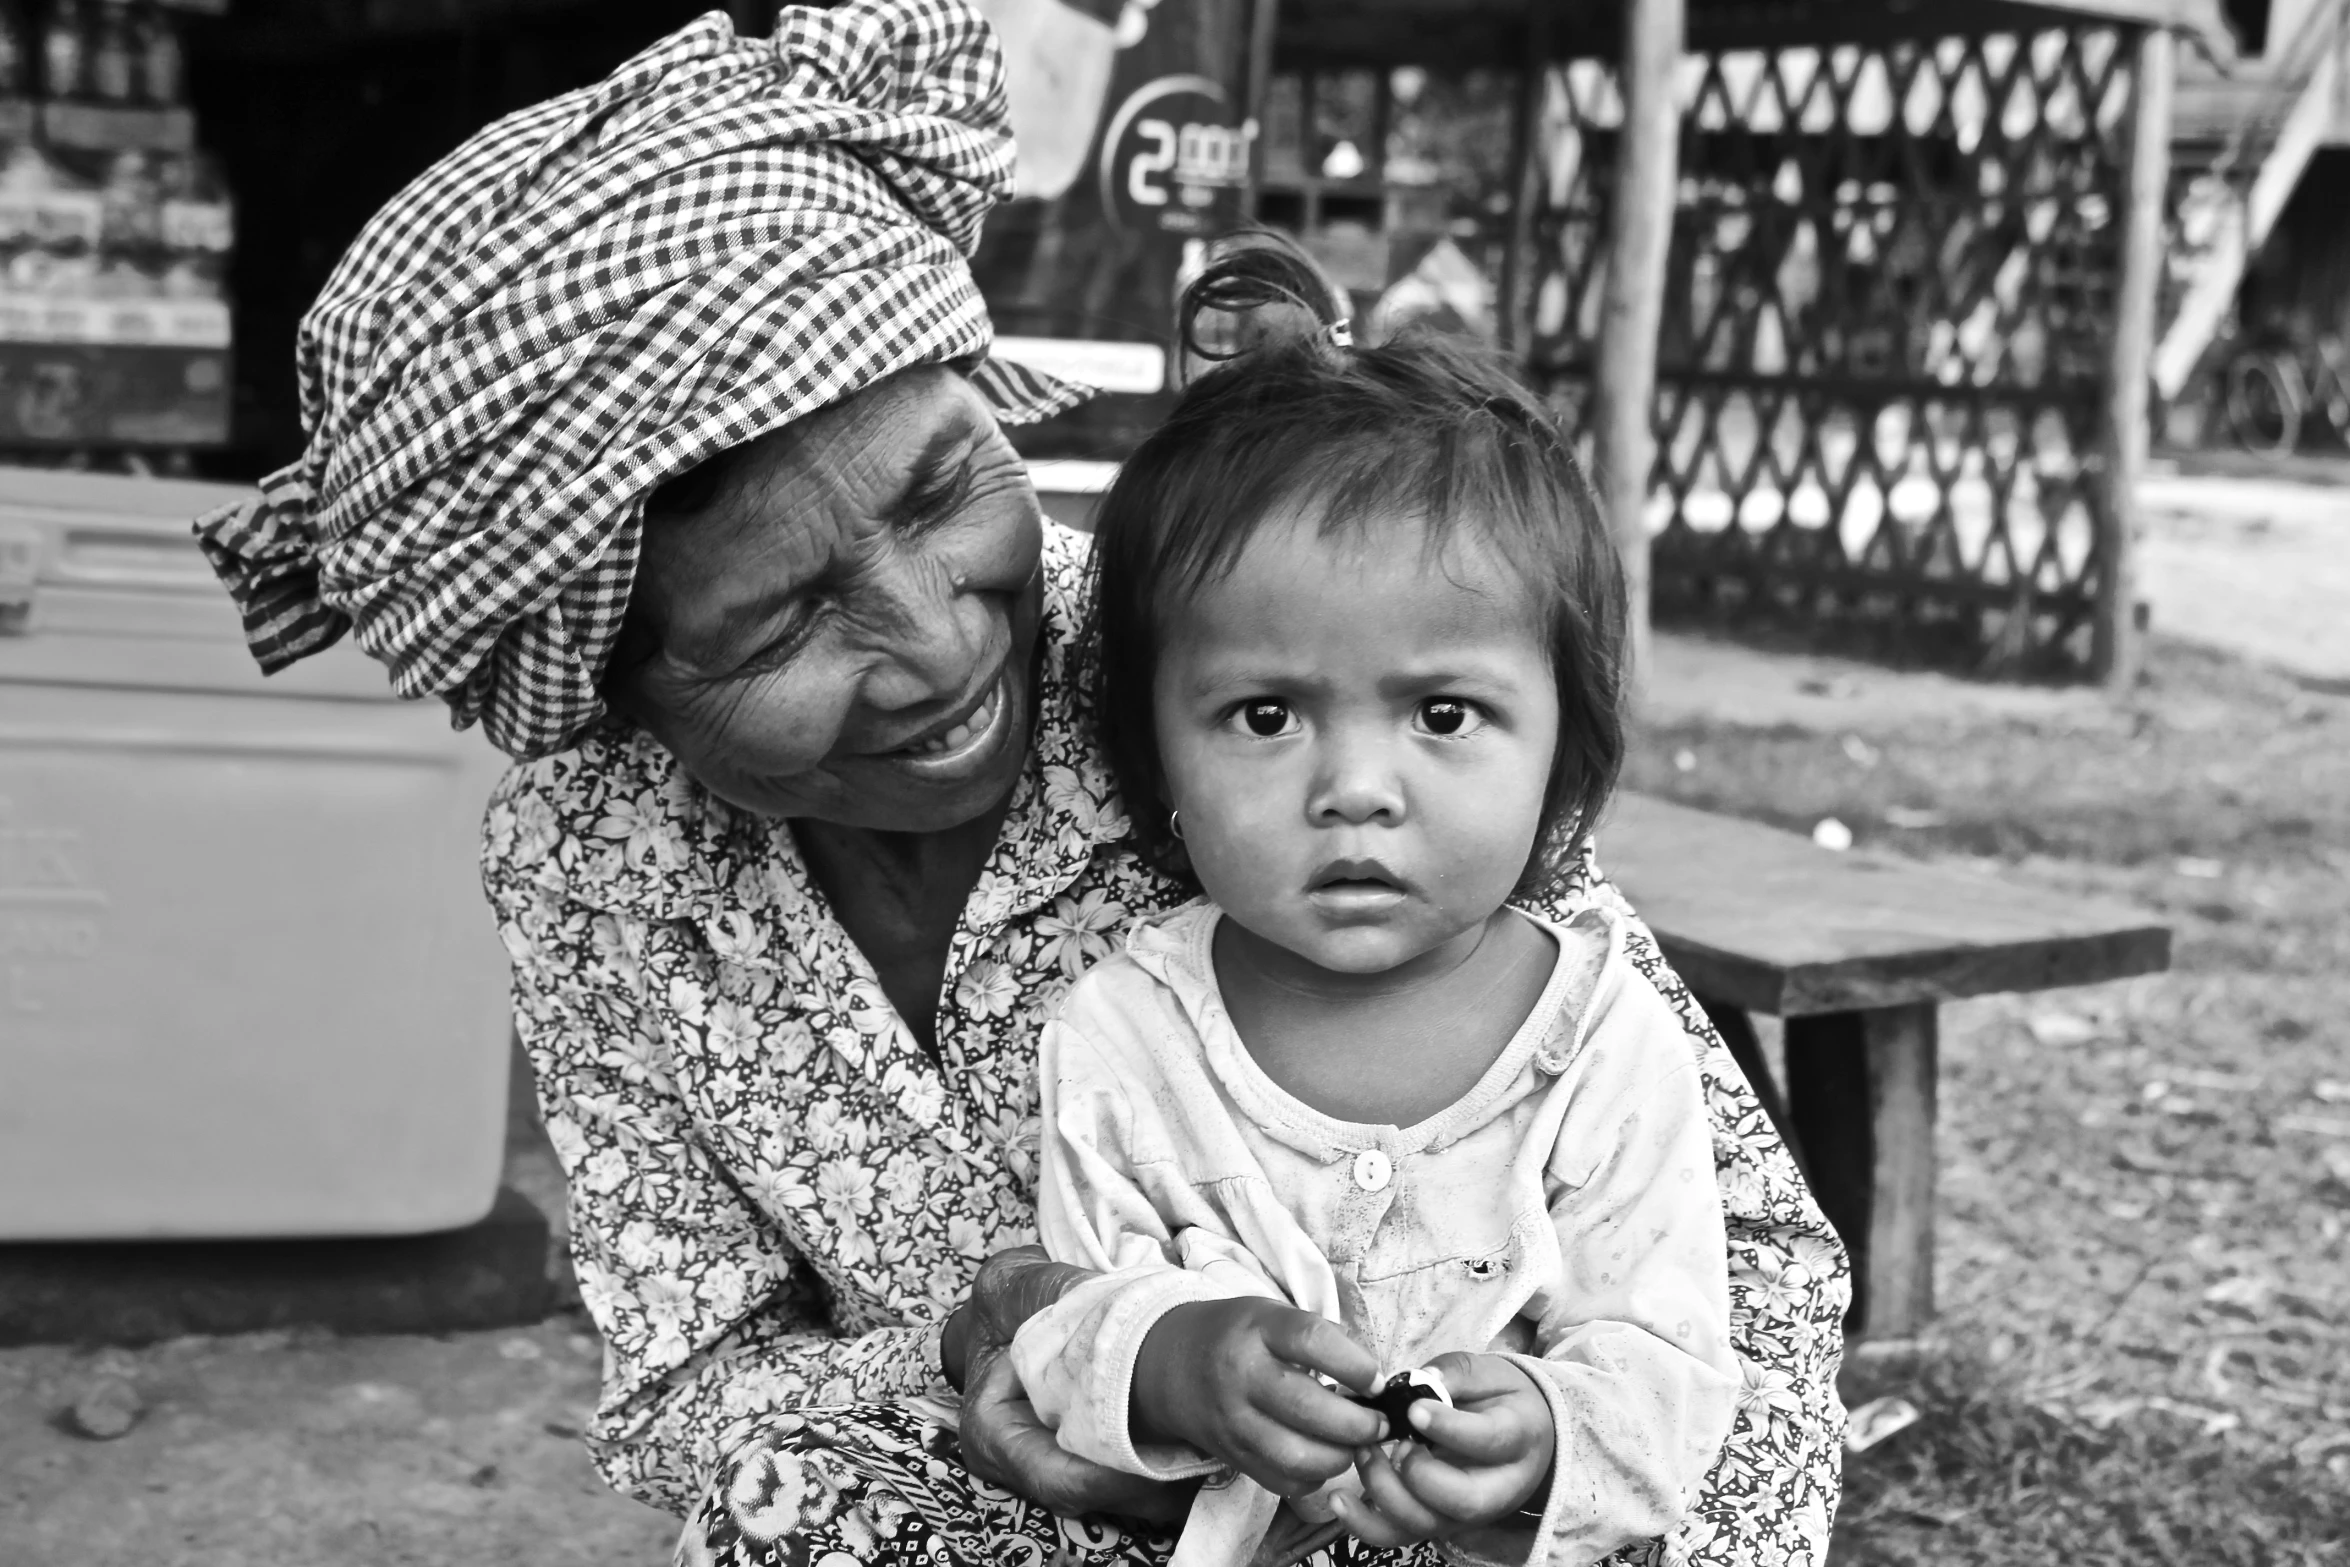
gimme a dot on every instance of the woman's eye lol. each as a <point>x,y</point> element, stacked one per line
<point>1266,719</point>
<point>1447,716</point>
<point>785,645</point>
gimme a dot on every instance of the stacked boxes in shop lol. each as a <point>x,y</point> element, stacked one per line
<point>115,233</point>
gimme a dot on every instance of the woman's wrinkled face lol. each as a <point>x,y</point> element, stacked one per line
<point>845,624</point>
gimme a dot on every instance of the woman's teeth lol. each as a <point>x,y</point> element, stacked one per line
<point>965,732</point>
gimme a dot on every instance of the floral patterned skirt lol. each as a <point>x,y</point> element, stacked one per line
<point>885,1484</point>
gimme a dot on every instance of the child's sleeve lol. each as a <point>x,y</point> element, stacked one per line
<point>1076,1357</point>
<point>1632,1340</point>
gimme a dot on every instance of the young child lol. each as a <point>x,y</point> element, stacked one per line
<point>1357,664</point>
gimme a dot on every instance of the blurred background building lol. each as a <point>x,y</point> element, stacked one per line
<point>1926,280</point>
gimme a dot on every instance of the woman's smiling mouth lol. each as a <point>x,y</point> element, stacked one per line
<point>966,739</point>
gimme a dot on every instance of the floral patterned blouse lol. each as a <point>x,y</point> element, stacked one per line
<point>777,1196</point>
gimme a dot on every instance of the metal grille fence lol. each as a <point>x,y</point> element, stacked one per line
<point>1884,353</point>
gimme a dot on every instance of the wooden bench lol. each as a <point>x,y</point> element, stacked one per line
<point>1856,952</point>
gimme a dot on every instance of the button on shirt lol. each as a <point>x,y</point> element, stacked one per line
<point>776,1196</point>
<point>1563,1212</point>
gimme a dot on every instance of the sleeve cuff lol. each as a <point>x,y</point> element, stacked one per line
<point>1076,1360</point>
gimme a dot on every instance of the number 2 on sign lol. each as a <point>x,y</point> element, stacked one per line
<point>1149,161</point>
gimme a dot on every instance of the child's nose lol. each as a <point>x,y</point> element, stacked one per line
<point>1356,785</point>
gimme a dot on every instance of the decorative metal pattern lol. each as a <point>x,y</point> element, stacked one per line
<point>1884,351</point>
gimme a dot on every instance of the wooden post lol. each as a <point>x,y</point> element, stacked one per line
<point>1640,234</point>
<point>1860,1092</point>
<point>2116,647</point>
<point>1264,18</point>
<point>1521,269</point>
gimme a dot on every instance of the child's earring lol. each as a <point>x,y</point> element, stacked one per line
<point>1175,825</point>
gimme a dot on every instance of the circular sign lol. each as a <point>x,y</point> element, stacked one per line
<point>1171,163</point>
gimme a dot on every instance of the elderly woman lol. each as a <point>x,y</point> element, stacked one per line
<point>654,429</point>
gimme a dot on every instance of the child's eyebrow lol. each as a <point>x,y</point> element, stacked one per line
<point>1235,679</point>
<point>1468,673</point>
<point>1238,679</point>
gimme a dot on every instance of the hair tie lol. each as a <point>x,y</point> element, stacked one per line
<point>1342,333</point>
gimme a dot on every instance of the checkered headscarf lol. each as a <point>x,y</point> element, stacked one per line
<point>593,295</point>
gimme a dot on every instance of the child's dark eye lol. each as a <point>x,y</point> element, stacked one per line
<point>1265,720</point>
<point>1449,716</point>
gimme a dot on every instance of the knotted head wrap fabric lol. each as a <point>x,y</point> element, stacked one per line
<point>593,295</point>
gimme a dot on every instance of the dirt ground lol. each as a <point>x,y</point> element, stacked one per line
<point>2143,1353</point>
<point>2144,1348</point>
<point>2259,564</point>
<point>278,1450</point>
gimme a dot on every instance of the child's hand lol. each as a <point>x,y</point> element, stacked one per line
<point>1234,1378</point>
<point>1473,1464</point>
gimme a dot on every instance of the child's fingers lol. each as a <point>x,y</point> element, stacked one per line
<point>1387,1494</point>
<point>1457,1494</point>
<point>1318,1344</point>
<point>1281,1460</point>
<point>1366,1525</point>
<point>1472,1379</point>
<point>1498,1433</point>
<point>1307,1406</point>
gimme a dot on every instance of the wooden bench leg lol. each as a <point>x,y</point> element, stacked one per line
<point>1860,1089</point>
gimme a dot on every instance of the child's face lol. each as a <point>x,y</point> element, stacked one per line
<point>1358,737</point>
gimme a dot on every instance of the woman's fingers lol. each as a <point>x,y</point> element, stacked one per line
<point>1318,1344</point>
<point>994,1430</point>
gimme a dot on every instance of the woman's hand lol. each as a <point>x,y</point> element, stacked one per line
<point>1473,1465</point>
<point>1234,1378</point>
<point>1003,1441</point>
<point>1016,1284</point>
<point>1012,1286</point>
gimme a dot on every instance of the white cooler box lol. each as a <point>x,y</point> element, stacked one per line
<point>248,982</point>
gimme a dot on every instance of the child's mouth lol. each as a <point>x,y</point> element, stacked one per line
<point>1355,886</point>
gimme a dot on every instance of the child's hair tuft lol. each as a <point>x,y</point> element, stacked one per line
<point>1287,416</point>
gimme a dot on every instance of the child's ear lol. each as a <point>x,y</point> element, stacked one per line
<point>1178,857</point>
<point>1174,860</point>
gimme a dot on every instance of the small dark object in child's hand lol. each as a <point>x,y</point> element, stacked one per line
<point>1401,1392</point>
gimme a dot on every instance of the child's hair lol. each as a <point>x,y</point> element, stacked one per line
<point>1427,426</point>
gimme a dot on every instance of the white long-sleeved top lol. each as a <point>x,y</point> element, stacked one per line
<point>1563,1212</point>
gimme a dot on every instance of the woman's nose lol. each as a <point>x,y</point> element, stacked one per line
<point>932,635</point>
<point>1356,782</point>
